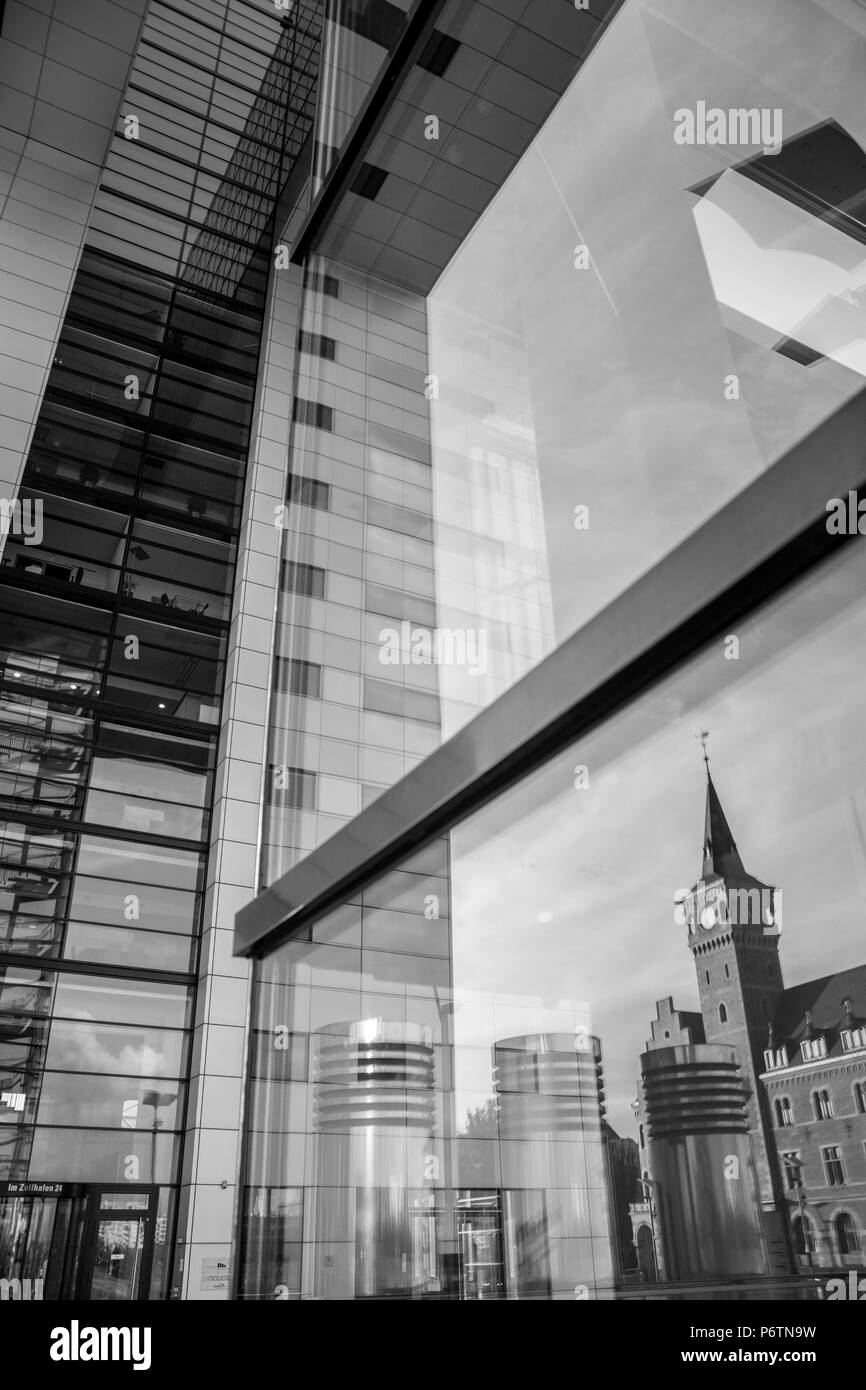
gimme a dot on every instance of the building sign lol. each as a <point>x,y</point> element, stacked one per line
<point>214,1275</point>
<point>38,1189</point>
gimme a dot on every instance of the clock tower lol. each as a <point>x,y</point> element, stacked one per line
<point>734,923</point>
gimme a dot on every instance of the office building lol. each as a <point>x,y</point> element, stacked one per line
<point>422,419</point>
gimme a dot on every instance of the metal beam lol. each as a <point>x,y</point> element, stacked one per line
<point>377,103</point>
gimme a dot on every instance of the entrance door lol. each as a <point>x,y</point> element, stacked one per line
<point>119,1249</point>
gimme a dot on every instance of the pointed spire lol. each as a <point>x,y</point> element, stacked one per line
<point>721,856</point>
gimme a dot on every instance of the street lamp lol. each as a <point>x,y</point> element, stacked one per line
<point>158,1100</point>
<point>795,1166</point>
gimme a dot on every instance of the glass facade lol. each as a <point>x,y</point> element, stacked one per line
<point>451,1091</point>
<point>619,344</point>
<point>430,417</point>
<point>509,452</point>
<point>116,615</point>
<point>524,1024</point>
<point>358,559</point>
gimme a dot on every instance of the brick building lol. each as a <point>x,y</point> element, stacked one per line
<point>801,1052</point>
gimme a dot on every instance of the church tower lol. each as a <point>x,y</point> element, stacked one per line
<point>734,922</point>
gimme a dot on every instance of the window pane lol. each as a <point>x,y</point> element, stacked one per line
<point>554,1025</point>
<point>145,817</point>
<point>108,1102</point>
<point>138,863</point>
<point>90,997</point>
<point>625,338</point>
<point>131,1050</point>
<point>92,1155</point>
<point>143,906</point>
<point>85,941</point>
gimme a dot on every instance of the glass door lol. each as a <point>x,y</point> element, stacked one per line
<point>120,1247</point>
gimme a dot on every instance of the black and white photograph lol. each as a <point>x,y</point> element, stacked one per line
<point>432,671</point>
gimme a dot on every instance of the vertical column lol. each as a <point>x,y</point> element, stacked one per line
<point>214,1119</point>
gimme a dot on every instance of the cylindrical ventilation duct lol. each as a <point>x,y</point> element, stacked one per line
<point>703,1185</point>
<point>374,1107</point>
<point>550,1101</point>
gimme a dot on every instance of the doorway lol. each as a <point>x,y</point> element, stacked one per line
<point>118,1246</point>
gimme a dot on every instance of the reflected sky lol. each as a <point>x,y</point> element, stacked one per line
<point>610,387</point>
<point>567,895</point>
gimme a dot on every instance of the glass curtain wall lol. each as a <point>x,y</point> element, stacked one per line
<point>475,1078</point>
<point>647,316</point>
<point>463,1079</point>
<point>635,329</point>
<point>116,613</point>
<point>352,708</point>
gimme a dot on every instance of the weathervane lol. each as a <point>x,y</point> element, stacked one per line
<point>703,736</point>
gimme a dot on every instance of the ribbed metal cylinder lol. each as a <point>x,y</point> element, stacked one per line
<point>703,1186</point>
<point>545,1084</point>
<point>374,1103</point>
<point>691,1090</point>
<point>374,1072</point>
<point>550,1107</point>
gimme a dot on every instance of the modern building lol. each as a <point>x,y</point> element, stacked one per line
<point>145,147</point>
<point>414,428</point>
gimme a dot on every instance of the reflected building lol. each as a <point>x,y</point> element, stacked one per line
<point>773,1079</point>
<point>137,239</point>
<point>355,1127</point>
<point>492,565</point>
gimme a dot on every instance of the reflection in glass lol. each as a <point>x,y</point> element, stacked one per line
<point>119,1258</point>
<point>536,1075</point>
<point>107,1102</point>
<point>374,1107</point>
<point>101,1047</point>
<point>95,997</point>
<point>86,941</point>
<point>640,325</point>
<point>99,1155</point>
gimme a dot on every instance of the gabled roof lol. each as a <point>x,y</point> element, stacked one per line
<point>672,1026</point>
<point>823,1000</point>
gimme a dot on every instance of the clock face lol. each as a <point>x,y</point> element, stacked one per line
<point>706,907</point>
<point>713,910</point>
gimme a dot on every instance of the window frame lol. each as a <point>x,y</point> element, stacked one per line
<point>834,1168</point>
<point>858,1245</point>
<point>822,1105</point>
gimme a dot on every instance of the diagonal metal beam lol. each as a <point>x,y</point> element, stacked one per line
<point>767,537</point>
<point>378,102</point>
